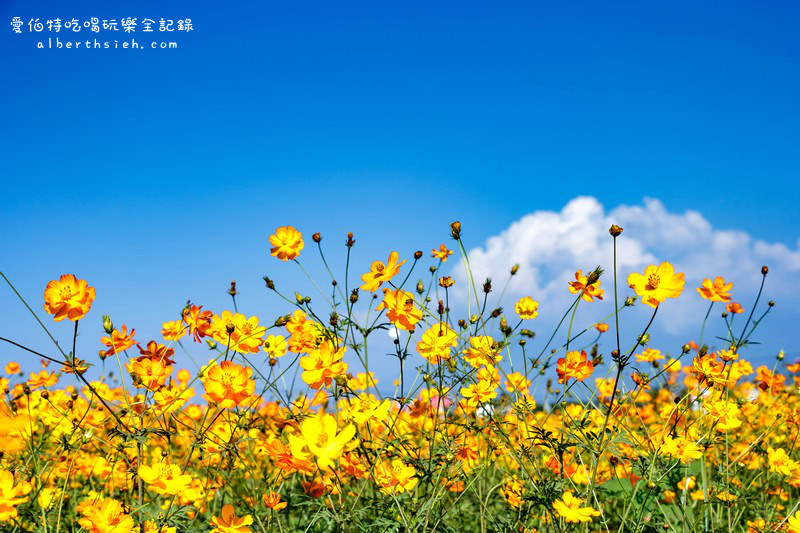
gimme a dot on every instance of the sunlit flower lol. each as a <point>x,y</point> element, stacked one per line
<point>437,343</point>
<point>734,308</point>
<point>228,522</point>
<point>165,479</point>
<point>657,283</point>
<point>106,516</point>
<point>42,379</point>
<point>228,384</point>
<point>68,297</point>
<point>574,365</point>
<point>780,462</point>
<point>649,355</point>
<point>237,332</point>
<point>275,345</point>
<point>12,368</point>
<point>395,477</point>
<point>322,365</point>
<point>726,414</point>
<point>273,501</point>
<point>715,291</point>
<point>527,308</point>
<point>11,495</point>
<point>150,373</point>
<point>682,449</point>
<point>482,351</point>
<point>199,321</point>
<point>380,272</point>
<point>119,341</point>
<point>319,435</point>
<point>601,327</point>
<point>442,253</point>
<point>173,330</point>
<point>569,508</point>
<point>286,243</point>
<point>400,308</point>
<point>446,282</point>
<point>588,290</point>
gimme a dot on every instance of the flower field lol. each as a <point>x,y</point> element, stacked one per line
<point>486,425</point>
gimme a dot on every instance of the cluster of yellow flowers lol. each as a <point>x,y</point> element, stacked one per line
<point>486,427</point>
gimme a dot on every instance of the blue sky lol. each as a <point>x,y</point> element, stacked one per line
<point>158,174</point>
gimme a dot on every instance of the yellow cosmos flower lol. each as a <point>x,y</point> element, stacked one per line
<point>228,522</point>
<point>275,345</point>
<point>400,309</point>
<point>366,407</point>
<point>395,477</point>
<point>482,351</point>
<point>649,355</point>
<point>780,462</point>
<point>793,523</point>
<point>527,308</point>
<point>106,516</point>
<point>380,272</point>
<point>569,508</point>
<point>273,501</point>
<point>657,283</point>
<point>165,479</point>
<point>715,291</point>
<point>437,343</point>
<point>228,384</point>
<point>442,253</point>
<point>323,364</point>
<point>173,330</point>
<point>681,448</point>
<point>68,297</point>
<point>11,495</point>
<point>286,243</point>
<point>319,436</point>
<point>150,373</point>
<point>724,413</point>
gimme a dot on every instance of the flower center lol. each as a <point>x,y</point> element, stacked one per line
<point>653,280</point>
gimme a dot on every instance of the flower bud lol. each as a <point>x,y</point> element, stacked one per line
<point>615,230</point>
<point>350,240</point>
<point>764,270</point>
<point>418,254</point>
<point>514,270</point>
<point>354,296</point>
<point>420,287</point>
<point>232,291</point>
<point>316,237</point>
<point>108,326</point>
<point>270,284</point>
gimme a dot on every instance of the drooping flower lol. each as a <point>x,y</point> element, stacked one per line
<point>228,522</point>
<point>527,308</point>
<point>400,309</point>
<point>323,364</point>
<point>380,272</point>
<point>165,479</point>
<point>657,283</point>
<point>228,384</point>
<point>715,291</point>
<point>11,495</point>
<point>588,288</point>
<point>286,243</point>
<point>569,508</point>
<point>574,365</point>
<point>68,297</point>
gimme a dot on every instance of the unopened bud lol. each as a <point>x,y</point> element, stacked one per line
<point>418,254</point>
<point>230,328</point>
<point>316,237</point>
<point>108,326</point>
<point>455,230</point>
<point>350,240</point>
<point>420,287</point>
<point>764,270</point>
<point>615,230</point>
<point>232,291</point>
<point>270,284</point>
<point>354,296</point>
<point>487,286</point>
<point>514,270</point>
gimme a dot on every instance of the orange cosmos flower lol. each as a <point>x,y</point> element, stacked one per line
<point>273,501</point>
<point>649,355</point>
<point>442,253</point>
<point>228,384</point>
<point>157,351</point>
<point>400,309</point>
<point>42,379</point>
<point>602,327</point>
<point>199,321</point>
<point>119,341</point>
<point>395,477</point>
<point>172,330</point>
<point>68,297</point>
<point>12,368</point>
<point>152,373</point>
<point>245,336</point>
<point>378,272</point>
<point>575,365</point>
<point>228,522</point>
<point>716,291</point>
<point>104,516</point>
<point>286,243</point>
<point>734,308</point>
<point>323,365</point>
<point>589,289</point>
<point>657,283</point>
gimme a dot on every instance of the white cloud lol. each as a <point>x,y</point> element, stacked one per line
<point>550,246</point>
